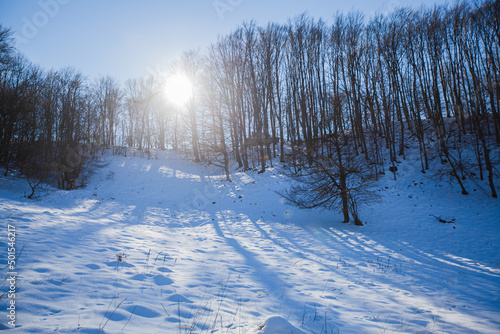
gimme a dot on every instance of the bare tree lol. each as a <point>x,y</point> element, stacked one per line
<point>338,181</point>
<point>107,96</point>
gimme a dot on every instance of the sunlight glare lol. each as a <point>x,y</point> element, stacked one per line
<point>178,89</point>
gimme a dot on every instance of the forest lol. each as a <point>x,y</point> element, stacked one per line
<point>330,100</point>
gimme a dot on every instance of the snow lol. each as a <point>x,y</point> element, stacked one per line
<point>167,246</point>
<point>277,324</point>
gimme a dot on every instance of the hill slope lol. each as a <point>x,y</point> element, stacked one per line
<point>167,246</point>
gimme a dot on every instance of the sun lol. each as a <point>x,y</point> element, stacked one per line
<point>178,89</point>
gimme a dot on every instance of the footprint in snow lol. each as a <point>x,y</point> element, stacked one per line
<point>115,316</point>
<point>92,266</point>
<point>140,277</point>
<point>178,298</point>
<point>162,280</point>
<point>119,264</point>
<point>142,311</point>
<point>173,320</point>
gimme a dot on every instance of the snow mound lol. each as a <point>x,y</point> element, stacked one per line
<point>278,325</point>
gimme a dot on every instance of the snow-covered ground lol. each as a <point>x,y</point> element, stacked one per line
<point>167,246</point>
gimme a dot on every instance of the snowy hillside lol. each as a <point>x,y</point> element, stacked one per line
<point>167,246</point>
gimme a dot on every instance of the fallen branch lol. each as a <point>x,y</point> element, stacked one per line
<point>444,221</point>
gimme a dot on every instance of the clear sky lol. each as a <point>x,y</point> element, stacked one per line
<point>130,38</point>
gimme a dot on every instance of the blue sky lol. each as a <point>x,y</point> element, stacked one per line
<point>130,38</point>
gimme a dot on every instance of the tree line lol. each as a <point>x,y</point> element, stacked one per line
<point>313,94</point>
